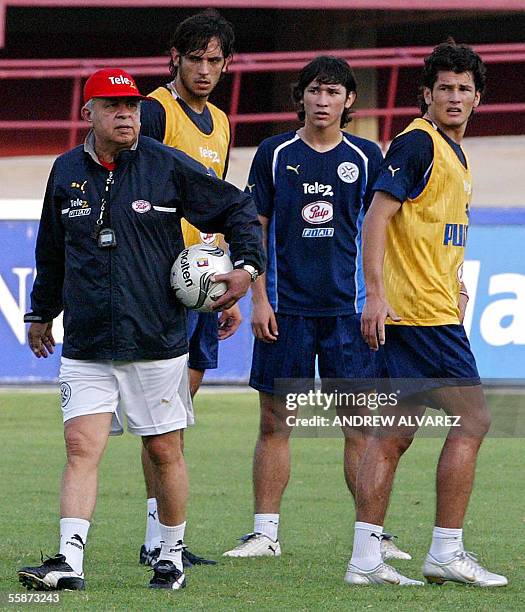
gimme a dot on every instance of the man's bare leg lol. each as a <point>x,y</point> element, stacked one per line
<point>447,559</point>
<point>152,535</point>
<point>457,462</point>
<point>86,438</point>
<point>171,484</point>
<point>271,461</point>
<point>374,485</point>
<point>271,472</point>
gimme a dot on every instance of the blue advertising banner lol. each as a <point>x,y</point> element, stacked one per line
<point>494,273</point>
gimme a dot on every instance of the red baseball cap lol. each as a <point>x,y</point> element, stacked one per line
<point>111,83</point>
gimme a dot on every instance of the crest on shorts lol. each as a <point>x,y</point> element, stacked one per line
<point>65,394</point>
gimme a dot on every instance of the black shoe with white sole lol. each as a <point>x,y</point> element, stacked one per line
<point>167,576</point>
<point>189,559</point>
<point>148,557</point>
<point>53,575</point>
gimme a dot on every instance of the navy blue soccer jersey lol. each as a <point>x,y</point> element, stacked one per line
<point>315,203</point>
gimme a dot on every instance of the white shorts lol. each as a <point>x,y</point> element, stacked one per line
<point>154,395</point>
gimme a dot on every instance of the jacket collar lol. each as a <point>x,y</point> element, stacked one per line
<point>89,147</point>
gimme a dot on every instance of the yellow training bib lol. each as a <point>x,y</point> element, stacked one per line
<point>426,241</point>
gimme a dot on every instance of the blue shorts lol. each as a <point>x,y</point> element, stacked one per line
<point>203,329</point>
<point>336,341</point>
<point>433,352</point>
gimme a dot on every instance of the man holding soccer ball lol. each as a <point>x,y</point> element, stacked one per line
<point>109,234</point>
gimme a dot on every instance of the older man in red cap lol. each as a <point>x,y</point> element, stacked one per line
<point>109,233</point>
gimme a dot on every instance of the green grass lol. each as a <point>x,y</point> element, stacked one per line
<point>316,520</point>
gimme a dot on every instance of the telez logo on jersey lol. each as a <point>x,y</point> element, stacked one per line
<point>325,190</point>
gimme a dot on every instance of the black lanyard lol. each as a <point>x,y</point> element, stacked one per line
<point>105,237</point>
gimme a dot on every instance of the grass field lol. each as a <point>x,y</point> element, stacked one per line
<point>316,519</point>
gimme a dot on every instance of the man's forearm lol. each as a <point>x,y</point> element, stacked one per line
<point>259,293</point>
<point>374,238</point>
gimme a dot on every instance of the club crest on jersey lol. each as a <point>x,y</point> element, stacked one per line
<point>325,190</point>
<point>141,206</point>
<point>207,238</point>
<point>348,172</point>
<point>318,212</point>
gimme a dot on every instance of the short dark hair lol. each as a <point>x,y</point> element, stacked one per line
<point>327,70</point>
<point>195,32</point>
<point>449,56</point>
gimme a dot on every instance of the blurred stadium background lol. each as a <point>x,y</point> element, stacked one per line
<point>49,47</point>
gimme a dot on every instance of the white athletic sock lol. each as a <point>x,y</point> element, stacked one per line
<point>268,524</point>
<point>446,543</point>
<point>73,536</point>
<point>171,540</point>
<point>366,553</point>
<point>152,537</point>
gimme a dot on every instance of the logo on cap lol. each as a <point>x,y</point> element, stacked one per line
<point>110,83</point>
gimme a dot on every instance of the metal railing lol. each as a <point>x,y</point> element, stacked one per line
<point>392,59</point>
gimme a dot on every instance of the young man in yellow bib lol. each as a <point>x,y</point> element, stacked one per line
<point>414,239</point>
<point>180,115</point>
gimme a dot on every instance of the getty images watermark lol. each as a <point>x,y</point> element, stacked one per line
<point>398,407</point>
<point>343,402</point>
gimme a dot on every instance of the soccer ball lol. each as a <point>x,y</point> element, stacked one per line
<point>191,276</point>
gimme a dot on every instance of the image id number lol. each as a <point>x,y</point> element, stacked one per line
<point>31,598</point>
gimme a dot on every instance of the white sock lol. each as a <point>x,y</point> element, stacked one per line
<point>366,553</point>
<point>446,543</point>
<point>73,536</point>
<point>268,524</point>
<point>152,537</point>
<point>171,540</point>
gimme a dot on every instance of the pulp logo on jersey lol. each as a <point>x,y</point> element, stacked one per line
<point>316,187</point>
<point>455,233</point>
<point>65,394</point>
<point>348,172</point>
<point>318,232</point>
<point>141,206</point>
<point>207,238</point>
<point>318,212</point>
